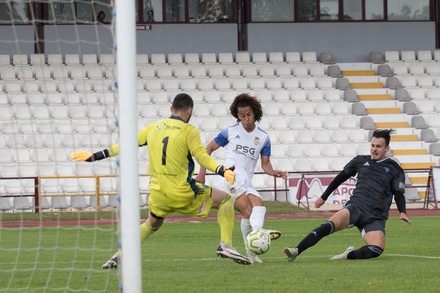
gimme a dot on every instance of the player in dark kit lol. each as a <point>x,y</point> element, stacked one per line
<point>378,179</point>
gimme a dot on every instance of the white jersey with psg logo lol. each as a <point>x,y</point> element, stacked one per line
<point>242,149</point>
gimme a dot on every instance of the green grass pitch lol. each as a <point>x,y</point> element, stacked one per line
<point>181,257</point>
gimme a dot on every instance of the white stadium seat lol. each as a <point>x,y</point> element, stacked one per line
<point>142,59</point>
<point>158,59</point>
<point>209,58</point>
<point>225,58</point>
<point>310,57</point>
<point>276,57</point>
<point>242,58</point>
<point>293,57</point>
<point>175,59</point>
<point>192,58</point>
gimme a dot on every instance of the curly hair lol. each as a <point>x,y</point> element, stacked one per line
<point>244,100</point>
<point>383,133</point>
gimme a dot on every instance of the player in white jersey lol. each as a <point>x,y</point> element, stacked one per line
<point>244,143</point>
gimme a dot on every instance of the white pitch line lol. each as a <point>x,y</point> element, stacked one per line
<point>215,258</point>
<point>416,256</point>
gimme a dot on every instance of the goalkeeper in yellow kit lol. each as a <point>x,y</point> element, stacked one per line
<point>172,143</point>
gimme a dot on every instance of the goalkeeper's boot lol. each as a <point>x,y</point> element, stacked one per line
<point>253,257</point>
<point>111,263</point>
<point>344,255</point>
<point>291,253</point>
<point>227,251</point>
<point>274,234</point>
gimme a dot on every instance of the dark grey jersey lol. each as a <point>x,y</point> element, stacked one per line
<point>376,183</point>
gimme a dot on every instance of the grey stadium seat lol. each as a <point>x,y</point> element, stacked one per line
<point>418,122</point>
<point>393,83</point>
<point>376,57</point>
<point>351,96</point>
<point>4,204</point>
<point>326,58</point>
<point>359,109</point>
<point>428,135</point>
<point>78,202</point>
<point>410,108</point>
<point>367,123</point>
<point>334,71</point>
<point>22,203</point>
<point>342,83</point>
<point>44,203</point>
<point>59,203</point>
<point>402,95</point>
<point>434,149</point>
<point>385,70</point>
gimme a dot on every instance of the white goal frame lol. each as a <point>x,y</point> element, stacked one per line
<point>131,269</point>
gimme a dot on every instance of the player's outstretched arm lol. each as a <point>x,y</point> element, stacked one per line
<point>88,156</point>
<point>229,173</point>
<point>319,202</point>
<point>404,218</point>
<point>211,147</point>
<point>266,165</point>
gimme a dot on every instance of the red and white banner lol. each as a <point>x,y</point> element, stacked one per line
<point>436,183</point>
<point>307,188</point>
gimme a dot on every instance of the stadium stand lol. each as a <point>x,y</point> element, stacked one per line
<point>312,114</point>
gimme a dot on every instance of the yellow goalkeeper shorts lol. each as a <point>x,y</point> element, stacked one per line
<point>199,206</point>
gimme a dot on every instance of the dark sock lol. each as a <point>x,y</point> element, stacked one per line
<point>325,229</point>
<point>365,252</point>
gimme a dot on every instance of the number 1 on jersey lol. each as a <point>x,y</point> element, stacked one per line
<point>164,150</point>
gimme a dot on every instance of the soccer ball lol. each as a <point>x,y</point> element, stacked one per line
<point>258,242</point>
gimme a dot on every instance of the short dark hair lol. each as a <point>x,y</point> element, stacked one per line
<point>100,12</point>
<point>383,133</point>
<point>244,100</point>
<point>182,102</point>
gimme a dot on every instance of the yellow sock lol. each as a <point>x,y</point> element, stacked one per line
<point>146,231</point>
<point>225,218</point>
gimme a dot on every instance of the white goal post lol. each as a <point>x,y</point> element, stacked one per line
<point>129,192</point>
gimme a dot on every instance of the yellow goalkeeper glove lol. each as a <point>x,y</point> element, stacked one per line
<point>81,155</point>
<point>89,157</point>
<point>229,173</point>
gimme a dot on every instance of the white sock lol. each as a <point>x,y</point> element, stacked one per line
<point>246,228</point>
<point>257,217</point>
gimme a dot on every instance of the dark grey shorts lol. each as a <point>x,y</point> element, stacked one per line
<point>363,220</point>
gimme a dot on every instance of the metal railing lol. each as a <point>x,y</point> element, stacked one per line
<point>277,191</point>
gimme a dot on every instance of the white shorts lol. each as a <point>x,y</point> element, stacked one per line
<point>245,184</point>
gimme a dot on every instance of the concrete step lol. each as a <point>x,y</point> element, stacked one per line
<point>422,194</point>
<point>355,66</point>
<point>407,166</point>
<point>358,72</point>
<point>407,131</point>
<point>419,180</point>
<point>378,97</point>
<point>389,117</point>
<point>364,79</point>
<point>414,158</point>
<point>366,85</point>
<point>392,124</point>
<point>383,110</point>
<point>381,91</point>
<point>407,145</point>
<point>383,104</point>
<point>404,138</point>
<point>410,152</point>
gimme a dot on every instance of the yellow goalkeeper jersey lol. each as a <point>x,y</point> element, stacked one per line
<point>171,145</point>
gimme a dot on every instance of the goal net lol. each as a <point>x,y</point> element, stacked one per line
<point>58,94</point>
